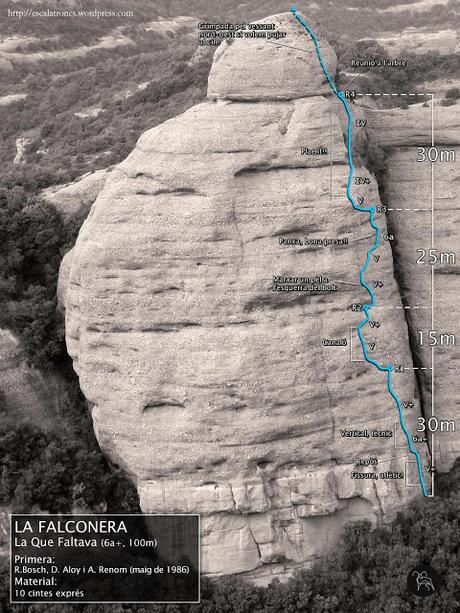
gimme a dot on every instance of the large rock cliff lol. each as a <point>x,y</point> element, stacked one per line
<point>413,189</point>
<point>216,393</point>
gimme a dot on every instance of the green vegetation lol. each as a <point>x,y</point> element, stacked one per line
<point>453,93</point>
<point>451,97</point>
<point>51,471</point>
<point>61,145</point>
<point>59,471</point>
<point>86,112</point>
<point>380,79</point>
<point>33,240</point>
<point>366,573</point>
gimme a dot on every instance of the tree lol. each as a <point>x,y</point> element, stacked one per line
<point>452,94</point>
<point>20,445</point>
<point>48,483</point>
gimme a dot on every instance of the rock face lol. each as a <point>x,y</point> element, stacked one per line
<point>76,198</point>
<point>276,73</point>
<point>412,188</point>
<point>21,144</point>
<point>217,394</point>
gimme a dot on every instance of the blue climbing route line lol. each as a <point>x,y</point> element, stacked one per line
<point>371,210</point>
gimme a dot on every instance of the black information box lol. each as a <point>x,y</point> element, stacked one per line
<point>105,558</point>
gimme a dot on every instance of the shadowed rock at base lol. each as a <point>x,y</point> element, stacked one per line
<point>211,406</point>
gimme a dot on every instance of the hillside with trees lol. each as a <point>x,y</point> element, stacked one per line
<point>366,573</point>
<point>85,112</point>
<point>70,114</point>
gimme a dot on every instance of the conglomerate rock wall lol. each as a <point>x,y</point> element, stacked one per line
<point>217,390</point>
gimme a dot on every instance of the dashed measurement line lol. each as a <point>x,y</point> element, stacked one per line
<point>401,307</point>
<point>411,94</point>
<point>389,368</point>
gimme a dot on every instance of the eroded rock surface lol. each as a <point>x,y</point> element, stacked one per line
<point>216,393</point>
<point>76,198</point>
<point>276,72</point>
<point>412,188</point>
